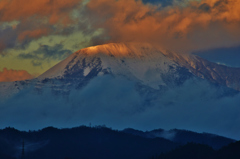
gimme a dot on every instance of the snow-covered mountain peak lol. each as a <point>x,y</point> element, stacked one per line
<point>143,64</point>
<point>114,49</point>
<point>134,50</point>
<point>135,61</point>
<point>113,55</point>
<point>151,66</point>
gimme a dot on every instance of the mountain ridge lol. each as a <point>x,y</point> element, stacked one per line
<point>81,142</point>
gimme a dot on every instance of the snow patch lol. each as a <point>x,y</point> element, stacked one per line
<point>86,71</point>
<point>100,74</point>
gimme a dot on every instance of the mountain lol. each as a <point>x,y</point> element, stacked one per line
<point>149,67</point>
<point>84,142</point>
<point>183,137</point>
<point>193,150</point>
<point>144,63</point>
<point>127,85</point>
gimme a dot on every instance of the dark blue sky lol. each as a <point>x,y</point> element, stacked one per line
<point>225,56</point>
<point>164,3</point>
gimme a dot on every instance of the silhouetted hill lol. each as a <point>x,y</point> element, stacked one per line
<point>231,151</point>
<point>189,151</point>
<point>184,137</point>
<point>97,142</point>
<point>199,151</point>
<point>81,142</point>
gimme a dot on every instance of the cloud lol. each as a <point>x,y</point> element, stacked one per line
<point>54,10</point>
<point>35,19</point>
<point>197,25</point>
<point>8,37</point>
<point>14,75</point>
<point>45,52</point>
<point>168,3</point>
<point>32,33</point>
<point>202,107</point>
<point>179,25</point>
<point>163,3</point>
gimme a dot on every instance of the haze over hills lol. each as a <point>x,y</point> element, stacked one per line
<point>127,85</point>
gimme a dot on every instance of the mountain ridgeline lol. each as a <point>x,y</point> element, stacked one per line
<point>102,143</point>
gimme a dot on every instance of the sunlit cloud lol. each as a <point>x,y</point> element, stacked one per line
<point>54,10</point>
<point>29,20</point>
<point>32,33</point>
<point>14,75</point>
<point>198,25</point>
<point>183,26</point>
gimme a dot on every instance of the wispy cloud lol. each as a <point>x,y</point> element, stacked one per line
<point>46,53</point>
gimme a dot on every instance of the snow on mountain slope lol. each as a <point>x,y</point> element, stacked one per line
<point>138,62</point>
<point>142,63</point>
<point>219,74</point>
<point>7,89</point>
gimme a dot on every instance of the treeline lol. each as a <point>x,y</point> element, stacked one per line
<point>104,143</point>
<point>199,151</point>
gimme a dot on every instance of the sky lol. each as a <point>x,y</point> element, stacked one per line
<point>36,35</point>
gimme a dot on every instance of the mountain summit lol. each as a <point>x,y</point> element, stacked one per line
<point>144,63</point>
<point>141,63</point>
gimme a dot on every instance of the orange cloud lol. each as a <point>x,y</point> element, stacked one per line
<point>2,45</point>
<point>33,33</point>
<point>199,25</point>
<point>55,10</point>
<point>14,75</point>
<point>35,18</point>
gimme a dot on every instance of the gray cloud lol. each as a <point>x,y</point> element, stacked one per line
<point>8,38</point>
<point>164,3</point>
<point>45,52</point>
<point>205,7</point>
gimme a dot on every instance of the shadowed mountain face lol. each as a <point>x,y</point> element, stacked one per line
<point>86,142</point>
<point>127,85</point>
<point>200,151</point>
